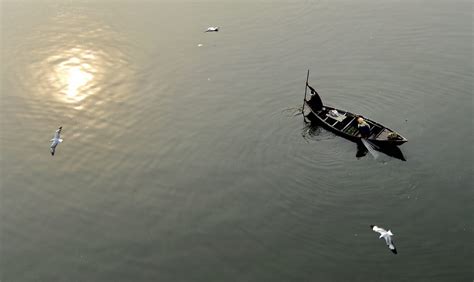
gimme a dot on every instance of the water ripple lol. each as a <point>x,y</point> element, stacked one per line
<point>89,60</point>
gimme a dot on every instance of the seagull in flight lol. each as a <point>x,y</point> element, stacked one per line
<point>56,140</point>
<point>212,29</point>
<point>387,235</point>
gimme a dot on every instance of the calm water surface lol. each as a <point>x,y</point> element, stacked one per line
<point>190,163</point>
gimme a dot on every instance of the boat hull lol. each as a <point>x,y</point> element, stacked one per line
<point>318,118</point>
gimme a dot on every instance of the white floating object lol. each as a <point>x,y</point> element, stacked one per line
<point>212,29</point>
<point>199,45</point>
<point>56,140</point>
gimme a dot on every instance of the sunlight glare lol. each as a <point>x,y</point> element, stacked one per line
<point>76,78</point>
<point>73,74</point>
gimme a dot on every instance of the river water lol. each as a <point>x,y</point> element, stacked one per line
<point>185,159</point>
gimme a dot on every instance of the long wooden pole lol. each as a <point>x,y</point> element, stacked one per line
<point>305,90</point>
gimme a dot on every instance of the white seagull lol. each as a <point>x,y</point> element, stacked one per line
<point>212,29</point>
<point>56,140</point>
<point>387,235</point>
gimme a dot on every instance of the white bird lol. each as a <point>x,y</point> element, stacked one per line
<point>387,235</point>
<point>56,140</point>
<point>212,29</point>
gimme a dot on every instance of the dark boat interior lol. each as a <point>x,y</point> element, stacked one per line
<point>347,123</point>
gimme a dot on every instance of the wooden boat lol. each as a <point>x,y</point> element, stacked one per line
<point>344,123</point>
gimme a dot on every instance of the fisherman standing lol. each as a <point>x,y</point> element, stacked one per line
<point>364,127</point>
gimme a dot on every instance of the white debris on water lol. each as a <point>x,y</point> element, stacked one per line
<point>212,29</point>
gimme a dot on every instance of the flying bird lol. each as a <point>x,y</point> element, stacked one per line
<point>387,235</point>
<point>56,140</point>
<point>212,29</point>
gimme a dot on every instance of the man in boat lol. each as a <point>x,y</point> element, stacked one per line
<point>363,127</point>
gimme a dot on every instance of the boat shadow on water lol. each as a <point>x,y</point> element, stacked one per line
<point>316,132</point>
<point>312,132</point>
<point>391,151</point>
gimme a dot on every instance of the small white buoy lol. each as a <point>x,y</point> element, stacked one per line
<point>199,45</point>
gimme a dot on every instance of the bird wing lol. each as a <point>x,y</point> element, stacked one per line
<point>391,246</point>
<point>57,134</point>
<point>54,143</point>
<point>379,230</point>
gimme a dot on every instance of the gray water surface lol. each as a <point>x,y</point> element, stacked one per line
<point>190,163</point>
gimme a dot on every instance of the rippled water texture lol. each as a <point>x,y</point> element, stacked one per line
<point>185,157</point>
<point>71,57</point>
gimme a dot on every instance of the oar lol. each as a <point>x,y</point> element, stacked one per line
<point>305,90</point>
<point>370,147</point>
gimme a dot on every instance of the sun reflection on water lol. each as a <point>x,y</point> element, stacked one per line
<point>76,78</point>
<point>77,60</point>
<point>74,74</point>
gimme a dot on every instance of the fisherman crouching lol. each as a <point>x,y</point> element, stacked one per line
<point>364,127</point>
